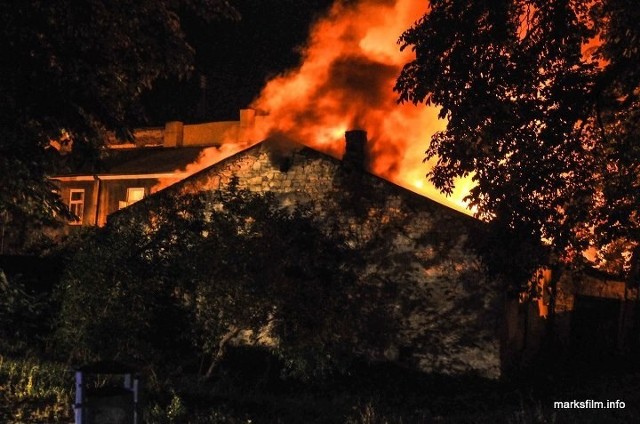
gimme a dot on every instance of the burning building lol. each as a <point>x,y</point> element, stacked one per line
<point>453,315</point>
<point>457,320</point>
<point>448,310</point>
<point>346,80</point>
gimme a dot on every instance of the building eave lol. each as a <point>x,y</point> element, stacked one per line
<point>111,177</point>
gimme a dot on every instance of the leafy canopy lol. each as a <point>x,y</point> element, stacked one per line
<point>541,99</point>
<point>79,67</point>
<point>172,280</point>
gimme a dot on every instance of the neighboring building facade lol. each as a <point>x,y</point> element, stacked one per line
<point>127,176</point>
<point>158,157</point>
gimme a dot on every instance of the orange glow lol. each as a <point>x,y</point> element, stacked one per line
<point>207,157</point>
<point>346,82</point>
<point>589,48</point>
<point>588,51</point>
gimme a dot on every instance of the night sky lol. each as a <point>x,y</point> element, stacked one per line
<point>236,58</point>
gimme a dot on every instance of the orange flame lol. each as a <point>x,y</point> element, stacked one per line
<point>346,81</point>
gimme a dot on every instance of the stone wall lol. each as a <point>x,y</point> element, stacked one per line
<point>448,311</point>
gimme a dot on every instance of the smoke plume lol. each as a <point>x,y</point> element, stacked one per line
<point>346,81</point>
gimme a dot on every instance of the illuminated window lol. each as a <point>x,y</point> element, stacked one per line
<point>133,195</point>
<point>76,205</point>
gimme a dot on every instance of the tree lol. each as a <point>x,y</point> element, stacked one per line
<point>75,69</point>
<point>542,103</point>
<point>176,278</point>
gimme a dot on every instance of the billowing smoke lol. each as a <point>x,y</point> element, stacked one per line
<point>346,81</point>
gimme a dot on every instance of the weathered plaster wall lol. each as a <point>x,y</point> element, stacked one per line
<point>450,312</point>
<point>115,191</point>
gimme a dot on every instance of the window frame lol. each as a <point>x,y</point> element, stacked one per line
<point>128,195</point>
<point>76,207</point>
<point>134,189</point>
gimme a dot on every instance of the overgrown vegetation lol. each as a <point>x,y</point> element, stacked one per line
<point>36,392</point>
<point>236,311</point>
<point>173,285</point>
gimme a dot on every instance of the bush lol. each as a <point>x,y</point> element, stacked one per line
<point>25,316</point>
<point>172,283</point>
<point>35,391</point>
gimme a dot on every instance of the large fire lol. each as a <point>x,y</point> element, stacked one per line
<point>350,65</point>
<point>346,81</point>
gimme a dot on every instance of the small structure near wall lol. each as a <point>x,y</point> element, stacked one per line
<point>102,399</point>
<point>583,320</point>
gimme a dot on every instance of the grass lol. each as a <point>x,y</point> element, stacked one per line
<point>33,391</point>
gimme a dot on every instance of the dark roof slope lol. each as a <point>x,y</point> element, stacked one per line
<point>276,148</point>
<point>147,160</point>
<point>150,160</point>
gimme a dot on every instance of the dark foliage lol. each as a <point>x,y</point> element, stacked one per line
<point>547,127</point>
<point>174,281</point>
<point>70,70</point>
<point>27,308</point>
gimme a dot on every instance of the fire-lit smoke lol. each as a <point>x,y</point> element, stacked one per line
<point>346,80</point>
<point>206,158</point>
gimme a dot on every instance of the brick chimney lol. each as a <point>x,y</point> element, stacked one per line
<point>173,134</point>
<point>355,156</point>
